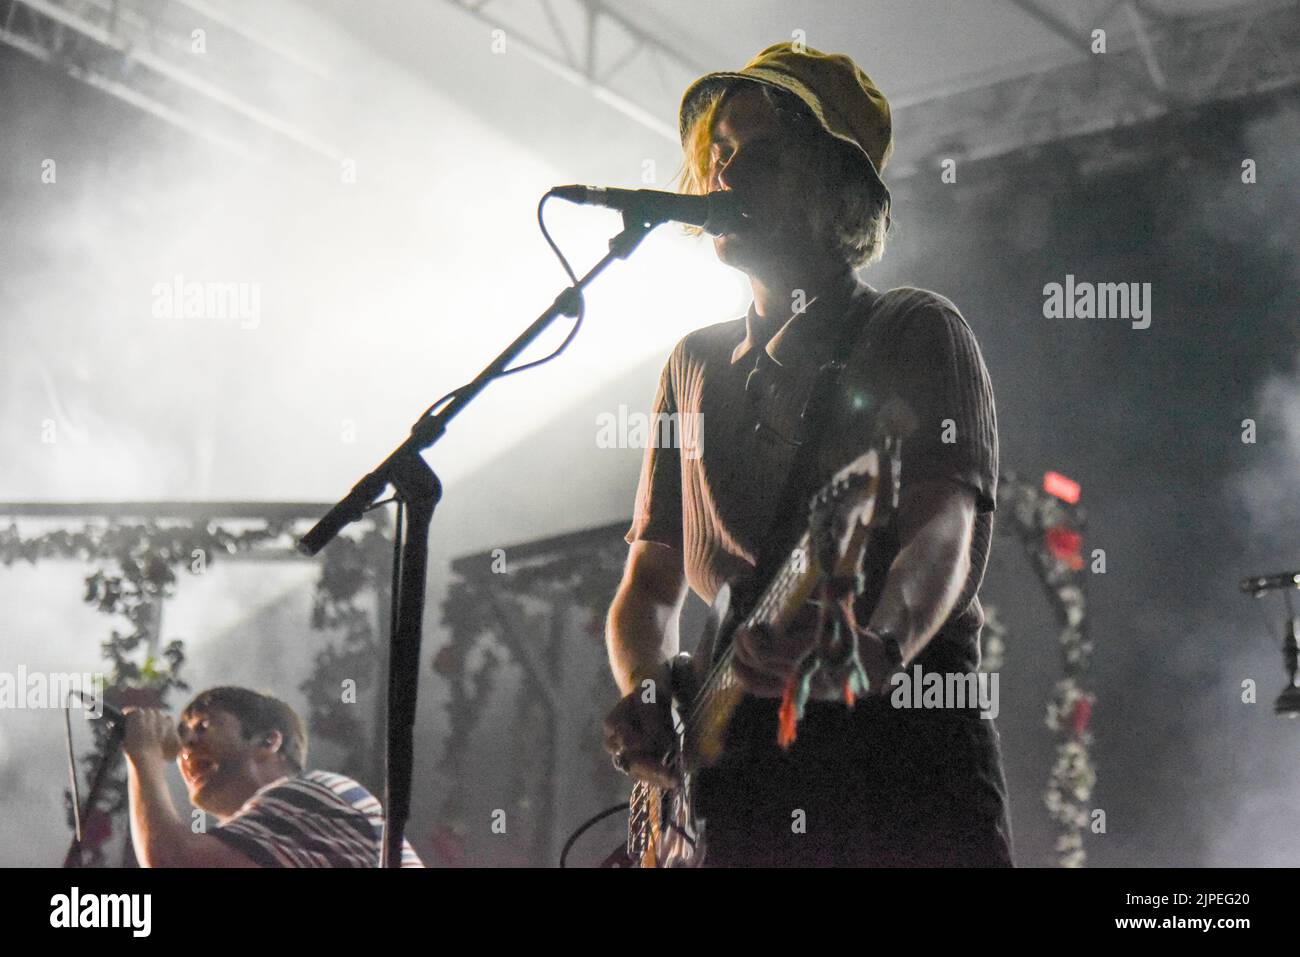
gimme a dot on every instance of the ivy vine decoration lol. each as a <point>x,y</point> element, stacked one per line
<point>137,571</point>
<point>346,671</point>
<point>469,662</point>
<point>579,578</point>
<point>993,641</point>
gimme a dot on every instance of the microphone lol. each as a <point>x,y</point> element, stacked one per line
<point>717,212</point>
<point>118,719</point>
<point>1263,583</point>
<point>107,710</point>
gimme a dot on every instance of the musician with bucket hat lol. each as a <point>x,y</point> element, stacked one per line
<point>825,762</point>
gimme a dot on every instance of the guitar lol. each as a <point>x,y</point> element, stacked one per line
<point>664,829</point>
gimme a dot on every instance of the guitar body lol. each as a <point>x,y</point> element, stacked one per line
<point>664,827</point>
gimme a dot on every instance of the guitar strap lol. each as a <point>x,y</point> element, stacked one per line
<point>802,479</point>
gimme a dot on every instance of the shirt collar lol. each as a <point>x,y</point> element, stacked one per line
<point>814,329</point>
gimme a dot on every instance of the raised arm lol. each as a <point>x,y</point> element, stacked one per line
<point>161,837</point>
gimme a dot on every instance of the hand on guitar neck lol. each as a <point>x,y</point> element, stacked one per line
<point>764,661</point>
<point>794,635</point>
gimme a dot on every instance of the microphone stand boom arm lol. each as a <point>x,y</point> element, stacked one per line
<point>417,491</point>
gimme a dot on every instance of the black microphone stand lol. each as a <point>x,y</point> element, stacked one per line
<point>111,742</point>
<point>417,491</point>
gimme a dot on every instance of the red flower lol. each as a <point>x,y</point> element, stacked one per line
<point>1081,716</point>
<point>1065,545</point>
<point>447,661</point>
<point>448,848</point>
<point>96,829</point>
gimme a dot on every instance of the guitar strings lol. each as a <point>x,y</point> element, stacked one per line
<point>775,595</point>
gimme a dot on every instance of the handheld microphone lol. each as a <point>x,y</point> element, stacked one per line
<point>117,718</point>
<point>107,710</point>
<point>717,212</point>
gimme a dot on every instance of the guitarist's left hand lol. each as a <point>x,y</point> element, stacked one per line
<point>764,661</point>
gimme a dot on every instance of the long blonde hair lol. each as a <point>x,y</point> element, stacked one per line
<point>844,205</point>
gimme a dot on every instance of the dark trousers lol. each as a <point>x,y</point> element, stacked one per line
<point>871,787</point>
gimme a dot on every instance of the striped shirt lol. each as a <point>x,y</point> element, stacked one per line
<point>315,819</point>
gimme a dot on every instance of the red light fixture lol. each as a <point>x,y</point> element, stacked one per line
<point>1067,490</point>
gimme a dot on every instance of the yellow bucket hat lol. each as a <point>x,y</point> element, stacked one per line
<point>842,98</point>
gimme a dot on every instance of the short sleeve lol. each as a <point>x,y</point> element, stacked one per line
<point>259,850</point>
<point>256,833</point>
<point>313,820</point>
<point>941,378</point>
<point>657,514</point>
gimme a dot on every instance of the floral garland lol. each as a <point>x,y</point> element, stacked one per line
<point>1051,533</point>
<point>1050,530</point>
<point>471,659</point>
<point>351,569</point>
<point>471,663</point>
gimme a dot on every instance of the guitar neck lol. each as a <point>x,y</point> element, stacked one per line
<point>831,547</point>
<point>836,536</point>
<point>720,693</point>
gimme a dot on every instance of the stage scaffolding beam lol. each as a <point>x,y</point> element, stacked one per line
<point>144,57</point>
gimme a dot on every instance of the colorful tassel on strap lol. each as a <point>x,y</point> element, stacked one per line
<point>787,716</point>
<point>836,650</point>
<point>795,698</point>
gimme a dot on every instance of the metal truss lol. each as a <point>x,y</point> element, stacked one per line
<point>597,48</point>
<point>1157,62</point>
<point>1159,59</point>
<point>142,53</point>
<point>534,617</point>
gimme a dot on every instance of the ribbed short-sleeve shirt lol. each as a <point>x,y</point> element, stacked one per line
<point>736,391</point>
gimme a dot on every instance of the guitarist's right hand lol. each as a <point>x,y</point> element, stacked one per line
<point>640,727</point>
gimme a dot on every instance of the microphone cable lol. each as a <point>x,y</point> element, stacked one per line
<point>580,313</point>
<point>595,819</point>
<point>587,825</point>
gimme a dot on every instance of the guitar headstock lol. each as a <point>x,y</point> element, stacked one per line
<point>859,496</point>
